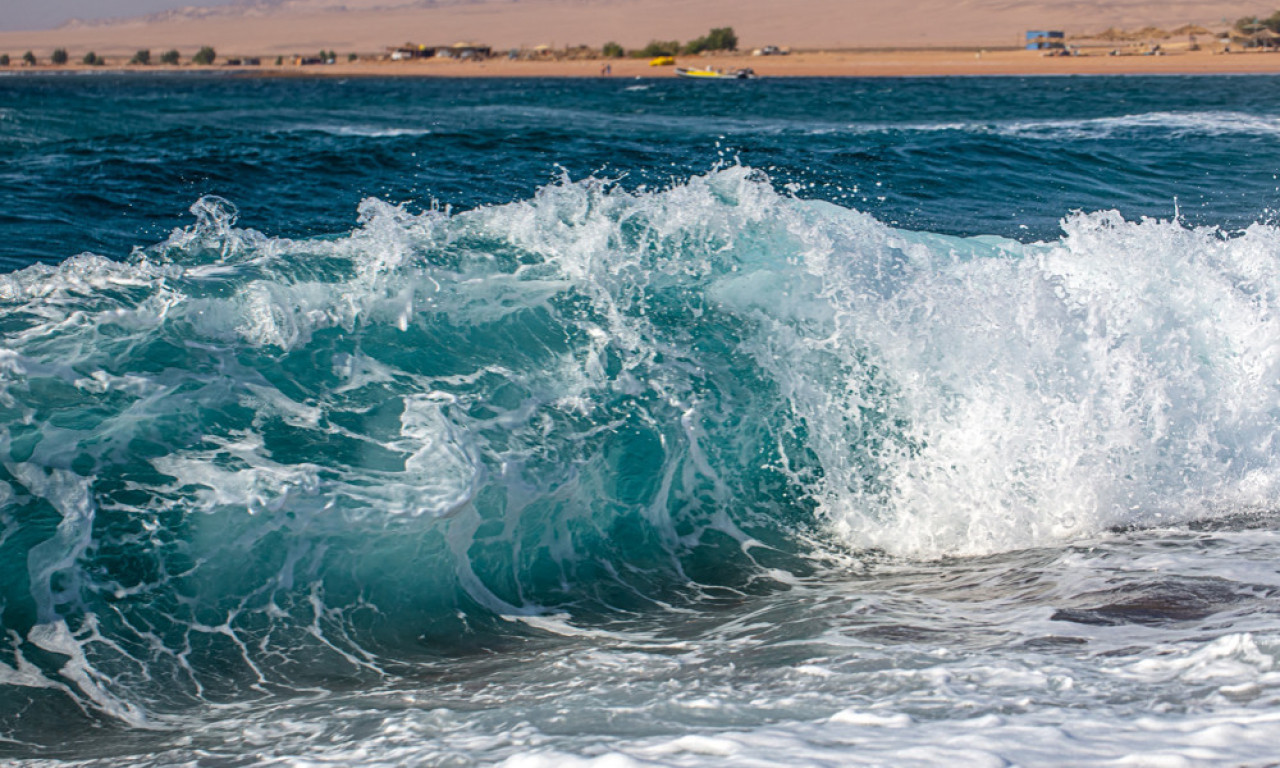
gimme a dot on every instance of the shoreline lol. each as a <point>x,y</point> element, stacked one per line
<point>879,63</point>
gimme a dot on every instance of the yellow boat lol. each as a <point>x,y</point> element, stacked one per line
<point>715,74</point>
<point>662,61</point>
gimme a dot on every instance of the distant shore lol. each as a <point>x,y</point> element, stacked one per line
<point>879,63</point>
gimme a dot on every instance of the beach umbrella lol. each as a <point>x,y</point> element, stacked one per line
<point>1264,37</point>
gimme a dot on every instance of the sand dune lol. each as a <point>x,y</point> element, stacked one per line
<point>271,27</point>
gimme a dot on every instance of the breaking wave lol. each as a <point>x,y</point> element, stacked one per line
<point>244,463</point>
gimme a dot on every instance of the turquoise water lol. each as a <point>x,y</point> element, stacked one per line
<point>639,422</point>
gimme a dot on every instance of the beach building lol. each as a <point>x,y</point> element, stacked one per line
<point>455,51</point>
<point>1045,40</point>
<point>411,51</point>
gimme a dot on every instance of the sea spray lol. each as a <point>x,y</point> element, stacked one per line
<point>1121,376</point>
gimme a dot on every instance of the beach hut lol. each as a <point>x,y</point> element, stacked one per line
<point>412,51</point>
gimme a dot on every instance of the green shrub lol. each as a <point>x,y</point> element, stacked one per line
<point>169,57</point>
<point>205,56</point>
<point>612,50</point>
<point>141,57</point>
<point>722,39</point>
<point>279,61</point>
<point>659,48</point>
<point>93,59</point>
<point>352,57</point>
<point>4,59</point>
<point>718,39</point>
<point>29,58</point>
<point>59,56</point>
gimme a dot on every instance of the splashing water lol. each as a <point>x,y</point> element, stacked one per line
<point>239,467</point>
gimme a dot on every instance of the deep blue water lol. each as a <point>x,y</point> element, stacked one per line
<point>639,422</point>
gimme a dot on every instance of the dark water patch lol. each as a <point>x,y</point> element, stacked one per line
<point>1169,602</point>
<point>1251,520</point>
<point>1055,643</point>
<point>901,633</point>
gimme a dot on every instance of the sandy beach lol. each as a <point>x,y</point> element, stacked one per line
<point>831,37</point>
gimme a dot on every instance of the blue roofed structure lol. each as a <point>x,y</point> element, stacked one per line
<point>1044,40</point>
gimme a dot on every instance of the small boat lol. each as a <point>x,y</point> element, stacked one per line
<point>715,74</point>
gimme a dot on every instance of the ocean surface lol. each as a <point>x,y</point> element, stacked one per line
<point>620,423</point>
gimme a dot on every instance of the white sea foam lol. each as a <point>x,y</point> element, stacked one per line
<point>1168,124</point>
<point>366,131</point>
<point>1237,738</point>
<point>55,637</point>
<point>442,470</point>
<point>1123,375</point>
<point>1173,124</point>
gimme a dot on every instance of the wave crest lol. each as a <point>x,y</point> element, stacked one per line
<point>349,450</point>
